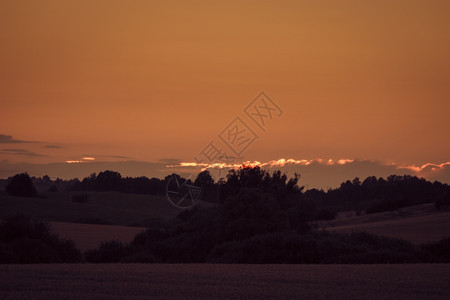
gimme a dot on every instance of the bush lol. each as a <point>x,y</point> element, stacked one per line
<point>324,248</point>
<point>17,227</point>
<point>108,252</point>
<point>7,255</point>
<point>34,251</point>
<point>30,241</point>
<point>439,251</point>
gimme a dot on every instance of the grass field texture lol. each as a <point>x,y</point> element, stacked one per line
<point>205,281</point>
<point>417,224</point>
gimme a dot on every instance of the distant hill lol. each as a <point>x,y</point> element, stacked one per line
<point>417,224</point>
<point>112,208</point>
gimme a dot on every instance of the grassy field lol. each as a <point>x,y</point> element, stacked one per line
<point>417,224</point>
<point>203,281</point>
<point>108,207</point>
<point>90,236</point>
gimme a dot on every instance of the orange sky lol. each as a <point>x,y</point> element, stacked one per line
<point>149,80</point>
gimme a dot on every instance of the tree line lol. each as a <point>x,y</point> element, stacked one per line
<point>259,217</point>
<point>369,196</point>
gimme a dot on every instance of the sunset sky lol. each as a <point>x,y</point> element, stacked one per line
<point>157,81</point>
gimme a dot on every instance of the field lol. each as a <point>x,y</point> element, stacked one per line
<point>417,224</point>
<point>203,281</point>
<point>104,207</point>
<point>90,236</point>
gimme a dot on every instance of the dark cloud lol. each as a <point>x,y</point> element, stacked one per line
<point>21,152</point>
<point>107,156</point>
<point>83,169</point>
<point>8,139</point>
<point>170,161</point>
<point>119,156</point>
<point>53,147</point>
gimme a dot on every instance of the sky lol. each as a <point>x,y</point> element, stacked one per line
<point>98,82</point>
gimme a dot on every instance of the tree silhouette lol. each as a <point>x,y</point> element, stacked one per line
<point>21,186</point>
<point>210,191</point>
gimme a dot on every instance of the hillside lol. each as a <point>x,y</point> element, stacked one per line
<point>417,224</point>
<point>102,208</point>
<point>90,236</point>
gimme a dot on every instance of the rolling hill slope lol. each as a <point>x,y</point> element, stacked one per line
<point>102,208</point>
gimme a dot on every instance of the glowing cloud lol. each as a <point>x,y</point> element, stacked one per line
<point>428,167</point>
<point>73,161</point>
<point>272,163</point>
<point>434,167</point>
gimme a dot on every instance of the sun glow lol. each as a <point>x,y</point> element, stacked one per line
<point>434,167</point>
<point>302,162</point>
<point>73,161</point>
<point>252,164</point>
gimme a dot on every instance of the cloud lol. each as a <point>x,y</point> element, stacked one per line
<point>52,147</point>
<point>21,152</point>
<point>170,161</point>
<point>8,139</point>
<point>119,156</point>
<point>314,173</point>
<point>325,173</point>
<point>107,156</point>
<point>81,170</point>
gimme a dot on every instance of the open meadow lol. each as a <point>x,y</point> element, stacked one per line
<point>417,224</point>
<point>112,208</point>
<point>206,281</point>
<point>90,236</point>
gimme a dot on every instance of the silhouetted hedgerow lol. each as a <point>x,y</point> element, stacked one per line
<point>315,248</point>
<point>439,251</point>
<point>108,252</point>
<point>25,240</point>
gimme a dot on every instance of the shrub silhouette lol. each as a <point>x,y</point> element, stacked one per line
<point>32,242</point>
<point>315,248</point>
<point>21,185</point>
<point>34,251</point>
<point>439,251</point>
<point>108,252</point>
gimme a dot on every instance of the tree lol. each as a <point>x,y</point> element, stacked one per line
<point>21,186</point>
<point>250,212</point>
<point>210,191</point>
<point>108,181</point>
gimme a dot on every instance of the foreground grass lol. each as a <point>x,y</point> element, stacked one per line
<point>204,281</point>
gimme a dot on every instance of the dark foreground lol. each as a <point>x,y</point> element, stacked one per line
<point>194,281</point>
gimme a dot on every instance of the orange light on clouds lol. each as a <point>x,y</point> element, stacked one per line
<point>272,163</point>
<point>417,169</point>
<point>303,162</point>
<point>73,161</point>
